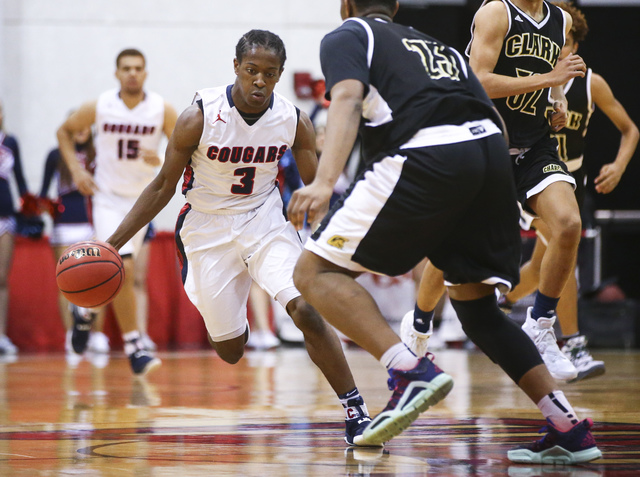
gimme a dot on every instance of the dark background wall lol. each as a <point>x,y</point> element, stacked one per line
<point>611,49</point>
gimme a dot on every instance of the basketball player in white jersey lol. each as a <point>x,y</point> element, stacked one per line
<point>232,230</point>
<point>129,123</point>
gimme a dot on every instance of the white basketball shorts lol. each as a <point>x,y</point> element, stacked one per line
<point>63,235</point>
<point>224,252</point>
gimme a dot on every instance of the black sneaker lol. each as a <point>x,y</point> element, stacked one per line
<point>143,362</point>
<point>575,446</point>
<point>414,391</point>
<point>354,429</point>
<point>82,322</point>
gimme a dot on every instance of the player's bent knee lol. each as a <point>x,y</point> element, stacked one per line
<point>230,351</point>
<point>301,272</point>
<point>304,316</point>
<point>497,336</point>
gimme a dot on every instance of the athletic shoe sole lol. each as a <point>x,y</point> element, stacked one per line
<point>417,398</point>
<point>590,373</point>
<point>150,367</point>
<point>556,455</point>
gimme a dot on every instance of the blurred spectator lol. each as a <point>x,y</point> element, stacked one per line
<point>9,163</point>
<point>71,215</point>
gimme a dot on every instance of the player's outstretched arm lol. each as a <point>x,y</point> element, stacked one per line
<point>183,142</point>
<point>611,173</point>
<point>343,120</point>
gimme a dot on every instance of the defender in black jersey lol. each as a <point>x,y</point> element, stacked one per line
<point>515,51</point>
<point>583,95</point>
<point>438,166</point>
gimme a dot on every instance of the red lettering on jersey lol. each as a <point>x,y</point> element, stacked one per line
<point>223,155</point>
<point>259,157</point>
<point>281,152</point>
<point>212,152</point>
<point>272,155</point>
<point>128,129</point>
<point>247,157</point>
<point>236,154</point>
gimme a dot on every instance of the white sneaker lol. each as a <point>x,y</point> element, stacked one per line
<point>6,346</point>
<point>98,342</point>
<point>576,349</point>
<point>416,341</point>
<point>541,333</point>
<point>68,347</point>
<point>148,342</point>
<point>262,340</point>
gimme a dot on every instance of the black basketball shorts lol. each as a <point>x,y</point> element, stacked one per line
<point>536,168</point>
<point>453,203</point>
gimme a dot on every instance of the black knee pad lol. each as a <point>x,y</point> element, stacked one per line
<point>497,336</point>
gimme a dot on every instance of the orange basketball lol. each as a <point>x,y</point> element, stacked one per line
<point>90,274</point>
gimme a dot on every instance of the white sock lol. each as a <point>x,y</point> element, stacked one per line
<point>399,357</point>
<point>131,344</point>
<point>555,407</point>
<point>353,404</point>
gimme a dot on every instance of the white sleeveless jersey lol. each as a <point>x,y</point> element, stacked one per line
<point>235,165</point>
<point>120,135</point>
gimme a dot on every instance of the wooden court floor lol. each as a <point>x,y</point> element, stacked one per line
<point>273,414</point>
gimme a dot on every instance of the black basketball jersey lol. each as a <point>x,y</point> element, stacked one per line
<point>581,107</point>
<point>529,48</point>
<point>412,81</point>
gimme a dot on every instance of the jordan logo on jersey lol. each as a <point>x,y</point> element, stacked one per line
<point>219,118</point>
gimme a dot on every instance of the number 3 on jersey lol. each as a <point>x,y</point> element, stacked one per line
<point>128,148</point>
<point>247,177</point>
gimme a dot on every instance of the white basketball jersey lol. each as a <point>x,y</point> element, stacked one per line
<point>121,134</point>
<point>235,165</point>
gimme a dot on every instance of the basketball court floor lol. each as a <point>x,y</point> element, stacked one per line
<point>274,414</point>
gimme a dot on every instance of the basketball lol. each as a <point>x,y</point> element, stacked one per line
<point>90,274</point>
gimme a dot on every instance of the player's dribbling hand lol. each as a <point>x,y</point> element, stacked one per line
<point>311,201</point>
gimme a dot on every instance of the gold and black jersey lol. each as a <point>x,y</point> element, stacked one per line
<point>530,47</point>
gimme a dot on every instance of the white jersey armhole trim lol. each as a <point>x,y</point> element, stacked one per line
<point>467,50</point>
<point>463,63</point>
<point>367,28</point>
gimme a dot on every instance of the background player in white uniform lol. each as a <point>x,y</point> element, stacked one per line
<point>129,123</point>
<point>232,230</point>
